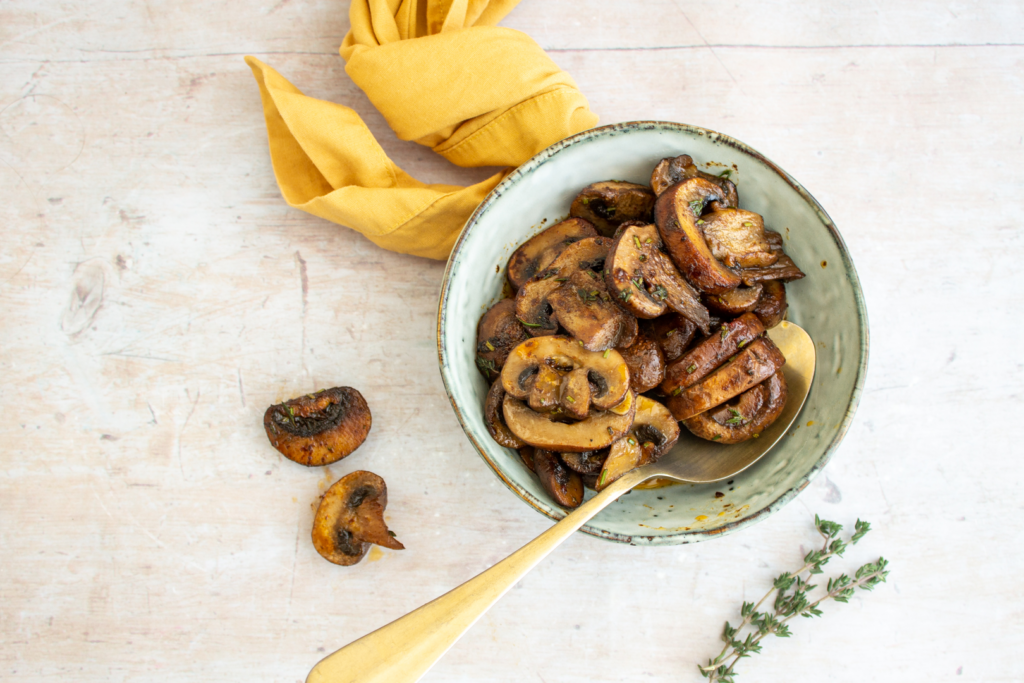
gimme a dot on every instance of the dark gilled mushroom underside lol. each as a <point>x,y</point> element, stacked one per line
<point>321,428</point>
<point>351,517</point>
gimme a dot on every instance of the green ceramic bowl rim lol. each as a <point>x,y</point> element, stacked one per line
<point>848,268</point>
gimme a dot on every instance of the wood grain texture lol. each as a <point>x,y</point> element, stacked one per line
<point>158,294</point>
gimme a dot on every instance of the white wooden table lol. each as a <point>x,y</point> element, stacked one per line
<point>158,294</point>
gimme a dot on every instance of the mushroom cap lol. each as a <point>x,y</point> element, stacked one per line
<point>610,203</point>
<point>745,416</point>
<point>676,214</point>
<point>350,517</point>
<point>607,371</point>
<point>599,430</point>
<point>771,307</point>
<point>646,364</point>
<point>497,333</point>
<point>670,171</point>
<point>564,485</point>
<point>321,428</point>
<point>585,309</point>
<point>734,302</point>
<point>736,238</point>
<point>538,252</point>
<point>645,281</point>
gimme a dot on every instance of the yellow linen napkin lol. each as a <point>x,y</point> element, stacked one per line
<point>441,74</point>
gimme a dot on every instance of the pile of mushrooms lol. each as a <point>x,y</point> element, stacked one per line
<point>645,308</point>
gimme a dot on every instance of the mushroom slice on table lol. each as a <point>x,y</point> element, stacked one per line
<point>736,238</point>
<point>646,364</point>
<point>587,462</point>
<point>564,485</point>
<point>672,332</point>
<point>600,429</point>
<point>734,302</point>
<point>495,418</point>
<point>745,416</point>
<point>783,269</point>
<point>611,203</point>
<point>351,517</point>
<point>771,306</point>
<point>701,360</point>
<point>585,309</point>
<point>497,333</point>
<point>751,366</point>
<point>653,433</point>
<point>677,214</point>
<point>532,307</point>
<point>670,171</point>
<point>607,373</point>
<point>644,280</point>
<point>321,428</point>
<point>538,252</point>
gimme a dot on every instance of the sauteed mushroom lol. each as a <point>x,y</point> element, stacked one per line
<point>497,333</point>
<point>702,360</point>
<point>744,417</point>
<point>495,418</point>
<point>771,307</point>
<point>670,171</point>
<point>672,332</point>
<point>734,302</point>
<point>321,428</point>
<point>351,517</point>
<point>783,269</point>
<point>646,364</point>
<point>644,280</point>
<point>653,433</point>
<point>609,204</point>
<point>538,252</point>
<point>585,309</point>
<point>677,212</point>
<point>599,430</point>
<point>587,462</point>
<point>564,485</point>
<point>526,455</point>
<point>736,238</point>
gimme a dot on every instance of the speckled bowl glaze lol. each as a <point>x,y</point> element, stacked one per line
<point>828,303</point>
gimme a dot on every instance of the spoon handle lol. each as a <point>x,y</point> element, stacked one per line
<point>405,649</point>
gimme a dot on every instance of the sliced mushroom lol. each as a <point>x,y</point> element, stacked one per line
<point>574,393</point>
<point>526,455</point>
<point>351,517</point>
<point>321,428</point>
<point>599,430</point>
<point>538,252</point>
<point>672,332</point>
<point>532,307</point>
<point>645,281</point>
<point>495,418</point>
<point>702,360</point>
<point>646,364</point>
<point>654,432</point>
<point>497,333</point>
<point>585,309</point>
<point>670,171</point>
<point>783,269</point>
<point>744,417</point>
<point>677,213</point>
<point>734,302</point>
<point>564,485</point>
<point>609,204</point>
<point>736,238</point>
<point>587,462</point>
<point>608,371</point>
<point>623,456</point>
<point>547,386</point>
<point>751,366</point>
<point>771,307</point>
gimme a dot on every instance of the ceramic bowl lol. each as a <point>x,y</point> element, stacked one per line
<point>828,303</point>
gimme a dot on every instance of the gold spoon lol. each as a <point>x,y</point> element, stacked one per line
<point>405,649</point>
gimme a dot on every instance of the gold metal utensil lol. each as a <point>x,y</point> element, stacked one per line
<point>405,649</point>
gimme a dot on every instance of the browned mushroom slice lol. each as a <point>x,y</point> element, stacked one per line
<point>653,433</point>
<point>611,203</point>
<point>646,364</point>
<point>736,238</point>
<point>672,332</point>
<point>574,394</point>
<point>702,360</point>
<point>532,307</point>
<point>495,419</point>
<point>771,307</point>
<point>538,252</point>
<point>644,280</point>
<point>547,386</point>
<point>564,485</point>
<point>599,430</point>
<point>670,171</point>
<point>526,455</point>
<point>783,269</point>
<point>744,417</point>
<point>623,456</point>
<point>587,462</point>
<point>586,311</point>
<point>607,372</point>
<point>751,366</point>
<point>321,428</point>
<point>676,213</point>
<point>497,333</point>
<point>734,302</point>
<point>351,517</point>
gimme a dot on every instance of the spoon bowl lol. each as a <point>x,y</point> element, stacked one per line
<point>405,649</point>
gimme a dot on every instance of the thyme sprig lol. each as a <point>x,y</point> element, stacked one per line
<point>791,599</point>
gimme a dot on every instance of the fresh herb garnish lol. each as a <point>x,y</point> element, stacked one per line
<point>696,206</point>
<point>716,437</point>
<point>570,399</point>
<point>734,420</point>
<point>726,173</point>
<point>725,332</point>
<point>490,346</point>
<point>606,352</point>
<point>660,292</point>
<point>637,241</point>
<point>690,370</point>
<point>743,342</point>
<point>604,475</point>
<point>529,324</point>
<point>487,365</point>
<point>677,391</point>
<point>625,294</point>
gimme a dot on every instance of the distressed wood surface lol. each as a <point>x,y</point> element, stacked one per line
<point>158,294</point>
